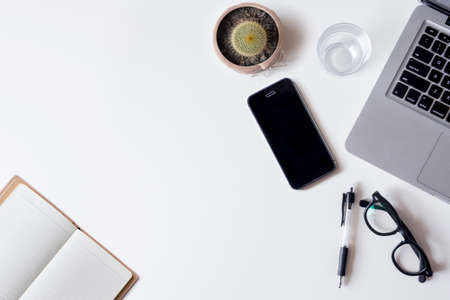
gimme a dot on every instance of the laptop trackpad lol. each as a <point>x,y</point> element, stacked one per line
<point>436,171</point>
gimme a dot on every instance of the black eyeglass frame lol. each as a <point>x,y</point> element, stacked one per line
<point>379,202</point>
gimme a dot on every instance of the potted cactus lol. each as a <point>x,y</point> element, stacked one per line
<point>247,37</point>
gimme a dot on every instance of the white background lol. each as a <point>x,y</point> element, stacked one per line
<point>121,114</point>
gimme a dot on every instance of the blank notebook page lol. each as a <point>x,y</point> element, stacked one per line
<point>80,270</point>
<point>31,233</point>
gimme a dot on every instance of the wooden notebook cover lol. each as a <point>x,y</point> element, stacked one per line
<point>16,180</point>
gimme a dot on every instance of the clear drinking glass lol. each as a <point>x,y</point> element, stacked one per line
<point>343,48</point>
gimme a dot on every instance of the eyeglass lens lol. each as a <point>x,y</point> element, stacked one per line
<point>408,257</point>
<point>380,220</point>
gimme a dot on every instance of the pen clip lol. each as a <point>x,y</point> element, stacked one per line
<point>347,199</point>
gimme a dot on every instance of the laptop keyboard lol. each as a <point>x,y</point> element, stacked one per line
<point>424,80</point>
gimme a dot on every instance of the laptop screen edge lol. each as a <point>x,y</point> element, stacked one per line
<point>442,5</point>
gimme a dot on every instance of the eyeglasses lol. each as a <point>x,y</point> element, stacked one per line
<point>382,219</point>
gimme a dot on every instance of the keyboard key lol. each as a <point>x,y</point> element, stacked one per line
<point>435,91</point>
<point>447,53</point>
<point>438,62</point>
<point>412,96</point>
<point>400,90</point>
<point>423,54</point>
<point>426,41</point>
<point>435,76</point>
<point>439,109</point>
<point>418,67</point>
<point>438,47</point>
<point>431,31</point>
<point>447,68</point>
<point>425,102</point>
<point>443,37</point>
<point>415,81</point>
<point>446,97</point>
<point>446,82</point>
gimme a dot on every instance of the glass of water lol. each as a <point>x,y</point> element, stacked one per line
<point>343,48</point>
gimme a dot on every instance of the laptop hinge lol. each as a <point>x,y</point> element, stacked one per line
<point>437,7</point>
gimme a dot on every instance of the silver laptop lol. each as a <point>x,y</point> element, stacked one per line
<point>404,127</point>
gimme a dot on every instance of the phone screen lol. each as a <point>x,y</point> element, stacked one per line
<point>291,133</point>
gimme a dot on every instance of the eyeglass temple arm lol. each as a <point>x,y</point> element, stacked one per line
<point>365,203</point>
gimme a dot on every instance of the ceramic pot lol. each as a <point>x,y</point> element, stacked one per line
<point>274,57</point>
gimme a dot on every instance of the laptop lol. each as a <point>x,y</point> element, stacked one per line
<point>404,127</point>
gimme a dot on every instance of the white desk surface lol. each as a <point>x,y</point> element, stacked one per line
<point>121,113</point>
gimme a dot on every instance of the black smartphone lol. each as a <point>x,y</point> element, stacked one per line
<point>291,133</point>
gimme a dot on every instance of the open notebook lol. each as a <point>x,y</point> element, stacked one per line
<point>45,255</point>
